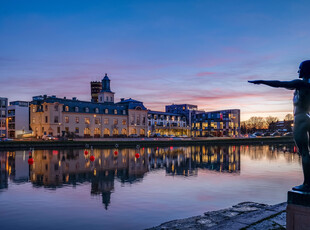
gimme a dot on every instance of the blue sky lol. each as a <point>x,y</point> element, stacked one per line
<point>159,52</point>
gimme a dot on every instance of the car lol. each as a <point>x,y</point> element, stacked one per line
<point>209,135</point>
<point>7,139</point>
<point>165,136</point>
<point>267,134</point>
<point>133,135</point>
<point>257,134</point>
<point>288,134</point>
<point>276,134</point>
<point>48,137</point>
<point>183,136</point>
<point>171,136</point>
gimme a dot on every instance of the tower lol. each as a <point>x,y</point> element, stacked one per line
<point>95,88</point>
<point>106,95</point>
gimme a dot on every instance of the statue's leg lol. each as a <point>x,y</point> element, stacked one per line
<point>301,136</point>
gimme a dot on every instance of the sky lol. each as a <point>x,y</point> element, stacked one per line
<point>199,52</point>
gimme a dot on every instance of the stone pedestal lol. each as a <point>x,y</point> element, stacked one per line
<point>298,211</point>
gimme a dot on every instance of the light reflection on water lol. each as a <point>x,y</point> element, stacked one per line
<point>64,189</point>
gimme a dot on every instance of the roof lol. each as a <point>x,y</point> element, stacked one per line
<point>164,113</point>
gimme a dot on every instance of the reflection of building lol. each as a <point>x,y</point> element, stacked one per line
<point>3,116</point>
<point>18,119</point>
<point>60,116</point>
<point>167,123</point>
<point>217,123</point>
<point>3,170</point>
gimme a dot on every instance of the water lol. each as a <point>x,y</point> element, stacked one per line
<point>63,189</point>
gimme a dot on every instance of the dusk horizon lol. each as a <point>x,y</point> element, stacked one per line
<point>159,53</point>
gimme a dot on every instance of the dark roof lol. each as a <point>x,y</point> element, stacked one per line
<point>164,113</point>
<point>132,104</point>
<point>82,105</point>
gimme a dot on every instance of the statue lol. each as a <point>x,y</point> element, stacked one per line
<point>301,103</point>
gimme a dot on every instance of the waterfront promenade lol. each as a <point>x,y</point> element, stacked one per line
<point>141,142</point>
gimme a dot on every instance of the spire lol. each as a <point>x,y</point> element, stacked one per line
<point>106,84</point>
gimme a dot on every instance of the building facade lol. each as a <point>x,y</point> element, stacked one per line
<point>216,123</point>
<point>18,119</point>
<point>186,110</point>
<point>167,124</point>
<point>3,117</point>
<point>95,88</point>
<point>54,116</point>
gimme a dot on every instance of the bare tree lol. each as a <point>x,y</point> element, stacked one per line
<point>289,117</point>
<point>271,119</point>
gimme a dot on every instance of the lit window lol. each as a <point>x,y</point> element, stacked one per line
<point>33,120</point>
<point>106,121</point>
<point>115,121</point>
<point>115,111</point>
<point>87,120</point>
<point>33,109</point>
<point>67,119</point>
<point>124,122</point>
<point>97,121</point>
<point>67,108</point>
<point>106,111</point>
<point>77,120</point>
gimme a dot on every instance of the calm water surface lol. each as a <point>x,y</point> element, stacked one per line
<point>64,189</point>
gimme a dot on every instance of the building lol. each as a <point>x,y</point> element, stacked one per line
<point>216,123</point>
<point>18,119</point>
<point>54,116</point>
<point>95,88</point>
<point>167,124</point>
<point>184,109</point>
<point>3,117</point>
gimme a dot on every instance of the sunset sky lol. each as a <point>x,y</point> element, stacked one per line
<point>159,52</point>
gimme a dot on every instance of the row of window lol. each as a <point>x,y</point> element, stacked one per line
<point>86,120</point>
<point>77,109</point>
<point>164,117</point>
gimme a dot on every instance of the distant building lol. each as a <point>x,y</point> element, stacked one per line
<point>167,124</point>
<point>3,117</point>
<point>184,109</point>
<point>217,123</point>
<point>54,116</point>
<point>95,88</point>
<point>18,119</point>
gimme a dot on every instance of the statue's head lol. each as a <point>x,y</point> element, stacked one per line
<point>304,69</point>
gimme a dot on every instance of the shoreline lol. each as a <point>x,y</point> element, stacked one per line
<point>245,216</point>
<point>142,142</point>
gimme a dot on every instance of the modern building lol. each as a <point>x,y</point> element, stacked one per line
<point>184,109</point>
<point>3,117</point>
<point>167,124</point>
<point>18,119</point>
<point>217,123</point>
<point>54,116</point>
<point>95,88</point>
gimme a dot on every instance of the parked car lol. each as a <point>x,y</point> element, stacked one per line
<point>267,134</point>
<point>48,137</point>
<point>288,134</point>
<point>183,136</point>
<point>165,136</point>
<point>6,139</point>
<point>133,135</point>
<point>276,134</point>
<point>256,134</point>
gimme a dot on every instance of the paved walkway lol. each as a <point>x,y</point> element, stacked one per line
<point>245,216</point>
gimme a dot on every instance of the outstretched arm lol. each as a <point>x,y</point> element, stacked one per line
<point>295,84</point>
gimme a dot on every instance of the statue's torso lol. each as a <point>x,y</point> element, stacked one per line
<point>301,101</point>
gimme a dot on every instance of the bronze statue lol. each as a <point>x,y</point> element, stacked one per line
<point>301,103</point>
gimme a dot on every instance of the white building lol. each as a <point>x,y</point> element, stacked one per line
<point>3,116</point>
<point>18,119</point>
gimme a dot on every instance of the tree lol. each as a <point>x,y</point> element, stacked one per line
<point>289,117</point>
<point>271,119</point>
<point>255,123</point>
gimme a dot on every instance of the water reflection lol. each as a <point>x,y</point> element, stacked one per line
<point>56,168</point>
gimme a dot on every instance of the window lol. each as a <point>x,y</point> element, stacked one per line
<point>67,119</point>
<point>76,109</point>
<point>124,122</point>
<point>115,111</point>
<point>106,111</point>
<point>96,110</point>
<point>111,98</point>
<point>56,107</point>
<point>34,109</point>
<point>58,129</point>
<point>132,120</point>
<point>138,120</point>
<point>87,121</point>
<point>67,108</point>
<point>107,98</point>
<point>56,119</point>
<point>115,121</point>
<point>143,120</point>
<point>77,130</point>
<point>124,112</point>
<point>97,121</point>
<point>46,119</point>
<point>106,121</point>
<point>33,120</point>
<point>77,120</point>
<point>46,108</point>
<point>87,110</point>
